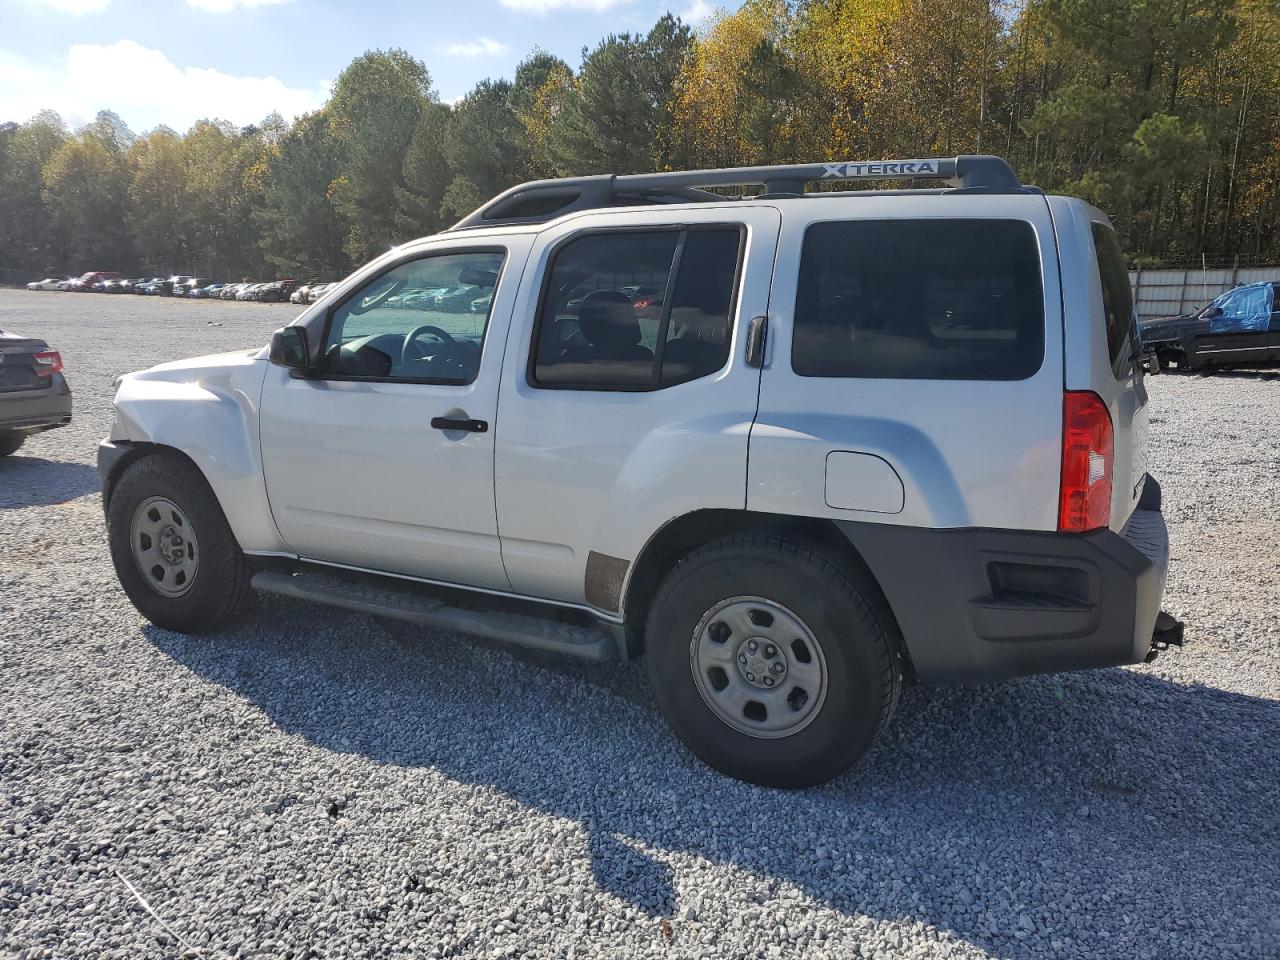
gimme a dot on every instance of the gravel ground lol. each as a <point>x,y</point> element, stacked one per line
<point>318,783</point>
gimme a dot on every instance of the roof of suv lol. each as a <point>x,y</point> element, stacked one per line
<point>542,201</point>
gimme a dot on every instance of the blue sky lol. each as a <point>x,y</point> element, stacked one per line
<point>177,61</point>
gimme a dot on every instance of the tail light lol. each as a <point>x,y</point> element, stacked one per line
<point>1087,456</point>
<point>48,362</point>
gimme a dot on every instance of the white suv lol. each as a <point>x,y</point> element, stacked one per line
<point>797,448</point>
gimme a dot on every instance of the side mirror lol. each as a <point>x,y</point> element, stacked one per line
<point>1213,313</point>
<point>289,348</point>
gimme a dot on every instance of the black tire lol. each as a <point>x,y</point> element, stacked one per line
<point>10,442</point>
<point>858,638</point>
<point>219,591</point>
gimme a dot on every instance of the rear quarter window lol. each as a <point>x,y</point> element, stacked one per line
<point>1117,297</point>
<point>940,299</point>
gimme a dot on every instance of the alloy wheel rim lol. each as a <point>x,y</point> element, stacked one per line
<point>164,546</point>
<point>758,667</point>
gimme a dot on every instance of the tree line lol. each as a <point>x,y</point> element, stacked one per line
<point>1166,113</point>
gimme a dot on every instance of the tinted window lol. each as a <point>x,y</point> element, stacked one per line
<point>919,300</point>
<point>698,332</point>
<point>637,310</point>
<point>421,320</point>
<point>1117,297</point>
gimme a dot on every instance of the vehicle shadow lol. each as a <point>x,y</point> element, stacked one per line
<point>37,482</point>
<point>1073,810</point>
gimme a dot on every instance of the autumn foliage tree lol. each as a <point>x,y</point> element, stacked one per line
<point>1166,113</point>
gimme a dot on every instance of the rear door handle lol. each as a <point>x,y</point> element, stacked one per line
<point>468,426</point>
<point>757,331</point>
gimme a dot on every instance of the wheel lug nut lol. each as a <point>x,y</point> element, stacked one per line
<point>751,676</point>
<point>770,650</point>
<point>778,668</point>
<point>753,646</point>
<point>768,681</point>
<point>742,658</point>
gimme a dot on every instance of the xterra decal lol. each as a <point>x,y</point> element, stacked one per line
<point>881,168</point>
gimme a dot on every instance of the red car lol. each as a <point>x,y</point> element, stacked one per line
<point>85,283</point>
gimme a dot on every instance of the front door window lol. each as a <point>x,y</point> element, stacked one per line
<point>423,321</point>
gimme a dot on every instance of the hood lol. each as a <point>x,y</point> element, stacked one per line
<point>1170,328</point>
<point>197,369</point>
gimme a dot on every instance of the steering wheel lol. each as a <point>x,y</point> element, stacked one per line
<point>442,335</point>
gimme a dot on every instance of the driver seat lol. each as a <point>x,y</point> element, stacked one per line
<point>608,322</point>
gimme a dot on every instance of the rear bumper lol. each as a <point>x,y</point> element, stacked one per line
<point>981,605</point>
<point>31,411</point>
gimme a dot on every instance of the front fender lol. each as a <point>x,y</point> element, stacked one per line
<point>208,410</point>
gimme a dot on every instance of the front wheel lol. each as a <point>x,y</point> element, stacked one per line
<point>771,662</point>
<point>172,548</point>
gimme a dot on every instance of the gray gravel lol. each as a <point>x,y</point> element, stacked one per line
<point>322,784</point>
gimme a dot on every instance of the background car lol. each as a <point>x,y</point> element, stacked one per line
<point>1240,326</point>
<point>206,292</point>
<point>34,395</point>
<point>49,283</point>
<point>84,283</point>
<point>647,302</point>
<point>185,287</point>
<point>177,280</point>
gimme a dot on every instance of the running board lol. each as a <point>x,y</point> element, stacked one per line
<point>540,633</point>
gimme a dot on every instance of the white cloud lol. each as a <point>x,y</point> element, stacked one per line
<point>541,7</point>
<point>226,6</point>
<point>697,11</point>
<point>144,87</point>
<point>76,7</point>
<point>482,46</point>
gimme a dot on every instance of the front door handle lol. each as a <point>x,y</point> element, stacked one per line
<point>451,423</point>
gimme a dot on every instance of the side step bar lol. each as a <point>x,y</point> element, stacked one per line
<point>540,633</point>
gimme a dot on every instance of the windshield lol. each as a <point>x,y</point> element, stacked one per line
<point>1215,302</point>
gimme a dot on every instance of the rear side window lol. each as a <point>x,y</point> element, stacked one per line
<point>1117,297</point>
<point>638,310</point>
<point>919,300</point>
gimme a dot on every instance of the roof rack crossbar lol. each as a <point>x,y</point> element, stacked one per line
<point>536,202</point>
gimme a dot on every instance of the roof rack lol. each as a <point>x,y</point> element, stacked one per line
<point>544,200</point>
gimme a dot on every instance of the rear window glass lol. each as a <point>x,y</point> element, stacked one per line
<point>1117,297</point>
<point>919,300</point>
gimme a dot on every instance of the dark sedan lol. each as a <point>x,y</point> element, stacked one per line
<point>34,395</point>
<point>1240,327</point>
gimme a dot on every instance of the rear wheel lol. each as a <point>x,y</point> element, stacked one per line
<point>172,548</point>
<point>10,442</point>
<point>772,662</point>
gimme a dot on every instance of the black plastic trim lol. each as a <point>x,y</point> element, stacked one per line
<point>1093,602</point>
